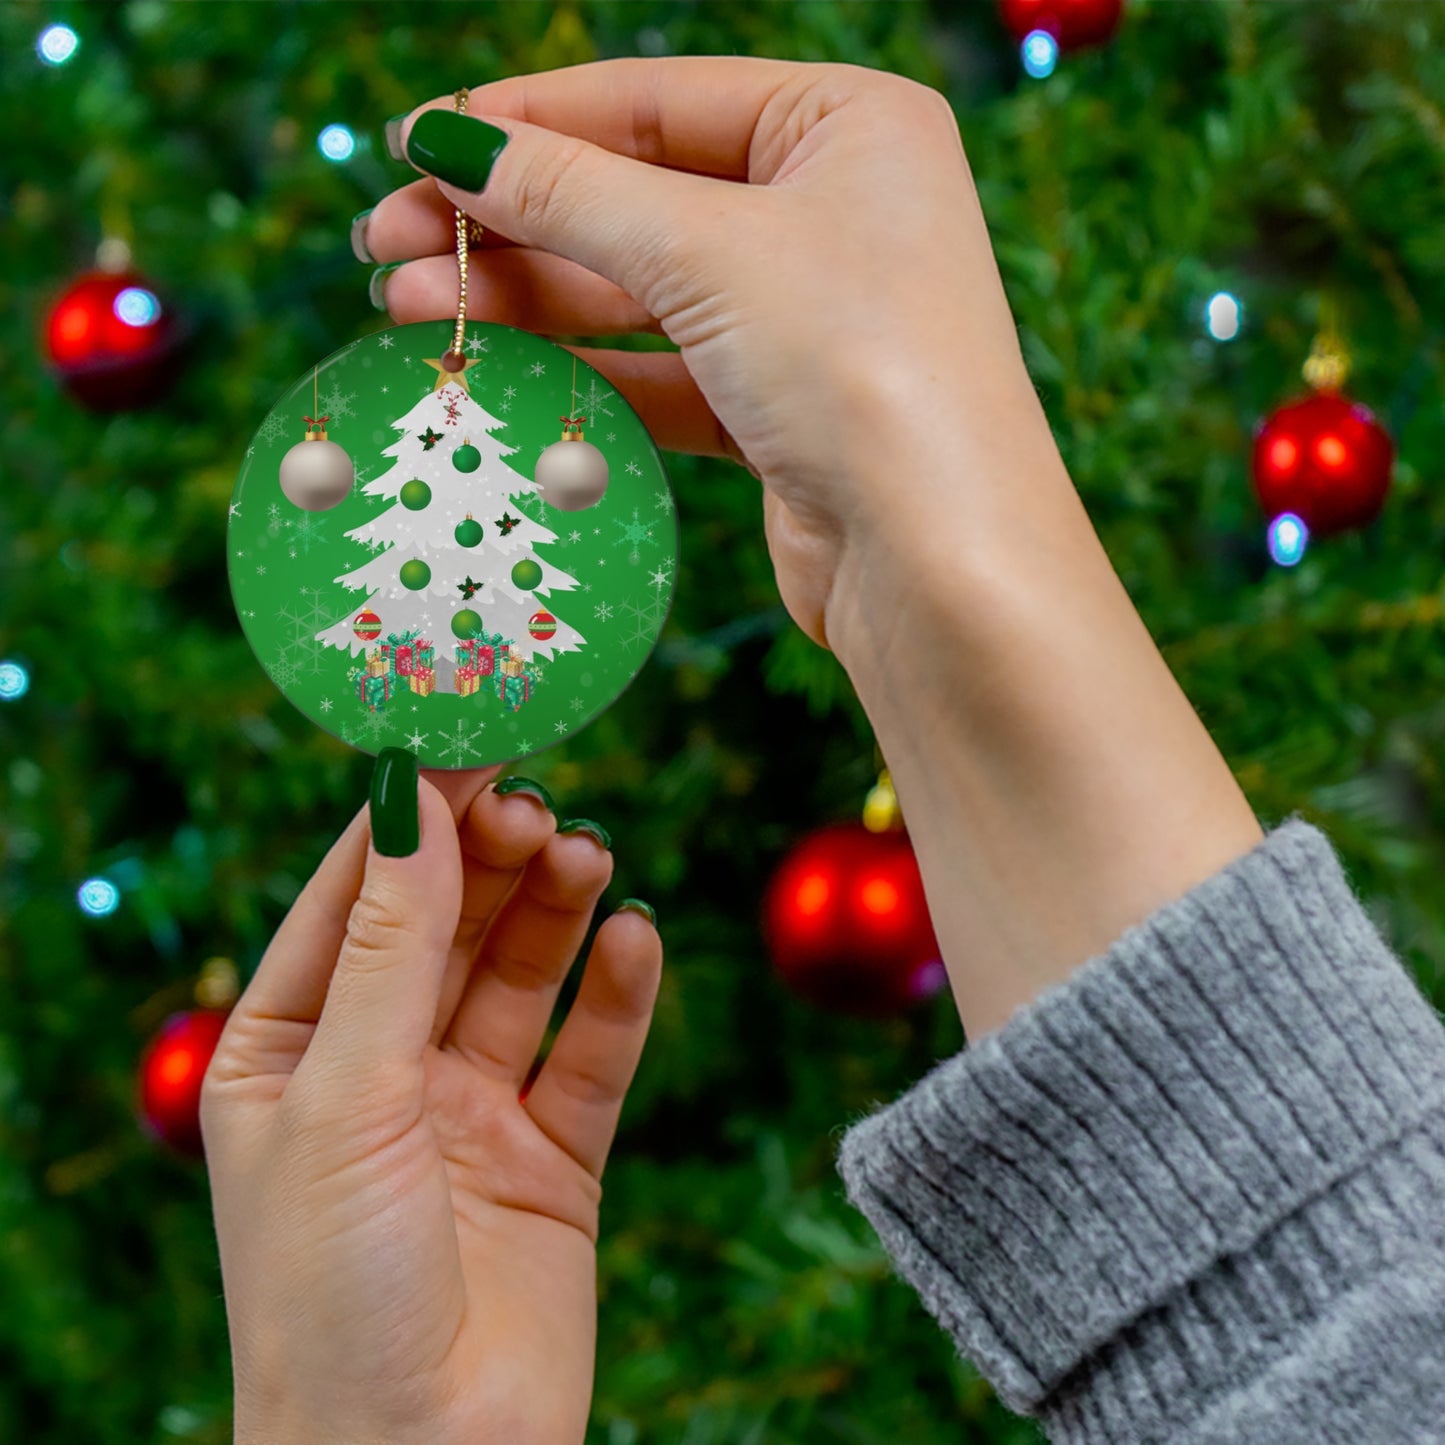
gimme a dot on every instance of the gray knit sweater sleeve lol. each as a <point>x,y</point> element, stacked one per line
<point>1196,1192</point>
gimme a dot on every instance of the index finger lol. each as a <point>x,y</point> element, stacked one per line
<point>698,113</point>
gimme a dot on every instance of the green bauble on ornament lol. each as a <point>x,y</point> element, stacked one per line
<point>415,495</point>
<point>468,533</point>
<point>415,574</point>
<point>466,622</point>
<point>466,458</point>
<point>526,574</point>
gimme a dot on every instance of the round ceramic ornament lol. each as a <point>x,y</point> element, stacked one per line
<point>441,602</point>
<point>452,610</point>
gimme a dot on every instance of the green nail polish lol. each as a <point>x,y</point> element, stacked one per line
<point>376,288</point>
<point>392,132</point>
<point>636,905</point>
<point>525,785</point>
<point>395,811</point>
<point>586,825</point>
<point>358,236</point>
<point>455,148</point>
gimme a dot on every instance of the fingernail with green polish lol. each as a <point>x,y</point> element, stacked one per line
<point>376,287</point>
<point>395,811</point>
<point>358,236</point>
<point>455,148</point>
<point>586,825</point>
<point>526,785</point>
<point>393,136</point>
<point>636,905</point>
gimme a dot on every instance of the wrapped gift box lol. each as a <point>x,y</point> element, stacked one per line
<point>468,680</point>
<point>378,662</point>
<point>423,654</point>
<point>375,691</point>
<point>423,681</point>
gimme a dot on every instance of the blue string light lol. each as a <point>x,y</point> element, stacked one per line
<point>1223,316</point>
<point>336,143</point>
<point>98,897</point>
<point>1040,52</point>
<point>137,307</point>
<point>57,44</point>
<point>1288,538</point>
<point>14,681</point>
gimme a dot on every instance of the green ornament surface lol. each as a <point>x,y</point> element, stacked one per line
<point>526,574</point>
<point>300,579</point>
<point>415,574</point>
<point>466,458</point>
<point>466,622</point>
<point>468,532</point>
<point>415,495</point>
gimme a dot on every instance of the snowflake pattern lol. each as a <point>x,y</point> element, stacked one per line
<point>537,369</point>
<point>603,610</point>
<point>337,404</point>
<point>386,341</point>
<point>459,746</point>
<point>304,622</point>
<point>271,429</point>
<point>307,531</point>
<point>283,670</point>
<point>643,620</point>
<point>593,402</point>
<point>664,502</point>
<point>633,532</point>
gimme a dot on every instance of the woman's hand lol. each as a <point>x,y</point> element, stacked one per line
<point>838,314</point>
<point>408,1247</point>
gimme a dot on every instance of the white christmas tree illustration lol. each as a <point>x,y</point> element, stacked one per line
<point>443,421</point>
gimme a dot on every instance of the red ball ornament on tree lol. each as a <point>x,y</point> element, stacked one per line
<point>171,1072</point>
<point>847,924</point>
<point>1073,23</point>
<point>112,342</point>
<point>1324,458</point>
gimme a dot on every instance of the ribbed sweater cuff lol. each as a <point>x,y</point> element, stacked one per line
<point>1140,1166</point>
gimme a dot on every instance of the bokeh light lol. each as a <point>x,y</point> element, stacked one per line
<point>137,307</point>
<point>336,143</point>
<point>1223,316</point>
<point>57,44</point>
<point>1040,52</point>
<point>1288,537</point>
<point>98,897</point>
<point>14,681</point>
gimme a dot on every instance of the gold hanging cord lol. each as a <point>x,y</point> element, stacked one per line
<point>467,230</point>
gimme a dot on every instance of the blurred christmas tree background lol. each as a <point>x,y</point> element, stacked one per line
<point>1292,155</point>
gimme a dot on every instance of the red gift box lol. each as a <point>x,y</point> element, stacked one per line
<point>403,661</point>
<point>486,659</point>
<point>468,680</point>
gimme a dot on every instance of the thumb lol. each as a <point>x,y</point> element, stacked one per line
<point>382,999</point>
<point>630,222</point>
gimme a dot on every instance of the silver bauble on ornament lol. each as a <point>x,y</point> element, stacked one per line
<point>316,474</point>
<point>571,474</point>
